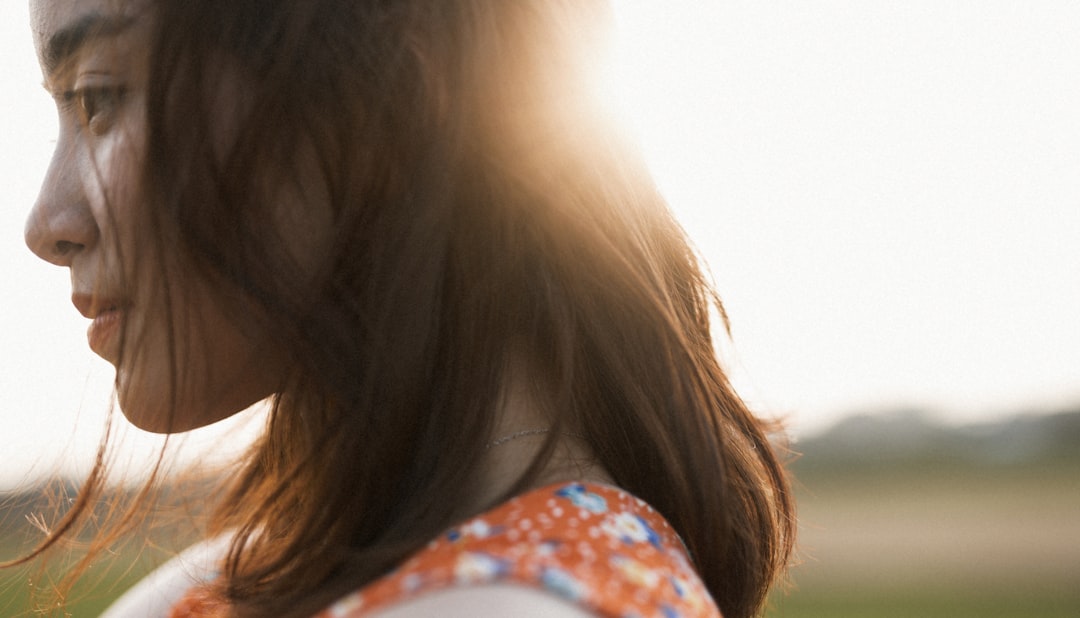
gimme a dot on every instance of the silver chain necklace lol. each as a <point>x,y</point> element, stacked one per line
<point>526,432</point>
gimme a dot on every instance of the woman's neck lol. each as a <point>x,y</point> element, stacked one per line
<point>519,436</point>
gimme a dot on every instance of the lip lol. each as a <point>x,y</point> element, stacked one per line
<point>107,317</point>
<point>103,331</point>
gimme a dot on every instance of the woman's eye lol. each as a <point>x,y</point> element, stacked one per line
<point>95,105</point>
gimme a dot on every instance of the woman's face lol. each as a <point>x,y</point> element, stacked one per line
<point>181,363</point>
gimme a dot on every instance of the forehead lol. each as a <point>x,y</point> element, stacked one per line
<point>61,27</point>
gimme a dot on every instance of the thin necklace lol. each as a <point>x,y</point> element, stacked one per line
<point>526,432</point>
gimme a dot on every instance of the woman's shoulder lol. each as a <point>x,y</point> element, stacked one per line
<point>488,601</point>
<point>570,549</point>
<point>158,593</point>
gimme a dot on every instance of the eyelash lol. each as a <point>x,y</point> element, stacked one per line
<point>94,105</point>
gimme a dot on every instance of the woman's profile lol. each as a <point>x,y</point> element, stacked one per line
<point>486,346</point>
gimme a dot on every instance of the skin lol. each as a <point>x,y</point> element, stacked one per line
<point>86,218</point>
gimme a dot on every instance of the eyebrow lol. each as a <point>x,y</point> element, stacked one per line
<point>67,41</point>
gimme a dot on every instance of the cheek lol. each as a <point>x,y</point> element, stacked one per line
<point>111,183</point>
<point>113,159</point>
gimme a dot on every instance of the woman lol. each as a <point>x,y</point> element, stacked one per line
<point>486,343</point>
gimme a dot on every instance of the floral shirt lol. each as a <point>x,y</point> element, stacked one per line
<point>593,545</point>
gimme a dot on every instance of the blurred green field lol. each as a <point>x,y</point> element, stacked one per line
<point>920,538</point>
<point>22,589</point>
<point>936,538</point>
<point>90,597</point>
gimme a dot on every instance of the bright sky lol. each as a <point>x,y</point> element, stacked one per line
<point>888,195</point>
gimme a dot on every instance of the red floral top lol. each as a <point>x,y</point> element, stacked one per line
<point>595,546</point>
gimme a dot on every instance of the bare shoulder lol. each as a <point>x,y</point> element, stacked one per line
<point>155,595</point>
<point>490,601</point>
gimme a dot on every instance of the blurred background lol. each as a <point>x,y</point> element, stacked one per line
<point>888,197</point>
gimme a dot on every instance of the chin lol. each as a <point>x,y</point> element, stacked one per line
<point>149,407</point>
<point>154,415</point>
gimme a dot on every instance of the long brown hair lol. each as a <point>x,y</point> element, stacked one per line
<point>485,209</point>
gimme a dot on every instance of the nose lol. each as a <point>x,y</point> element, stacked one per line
<point>61,223</point>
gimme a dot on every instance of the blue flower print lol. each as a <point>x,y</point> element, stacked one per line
<point>563,584</point>
<point>479,567</point>
<point>679,585</point>
<point>669,612</point>
<point>548,548</point>
<point>583,499</point>
<point>637,573</point>
<point>476,529</point>
<point>630,528</point>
